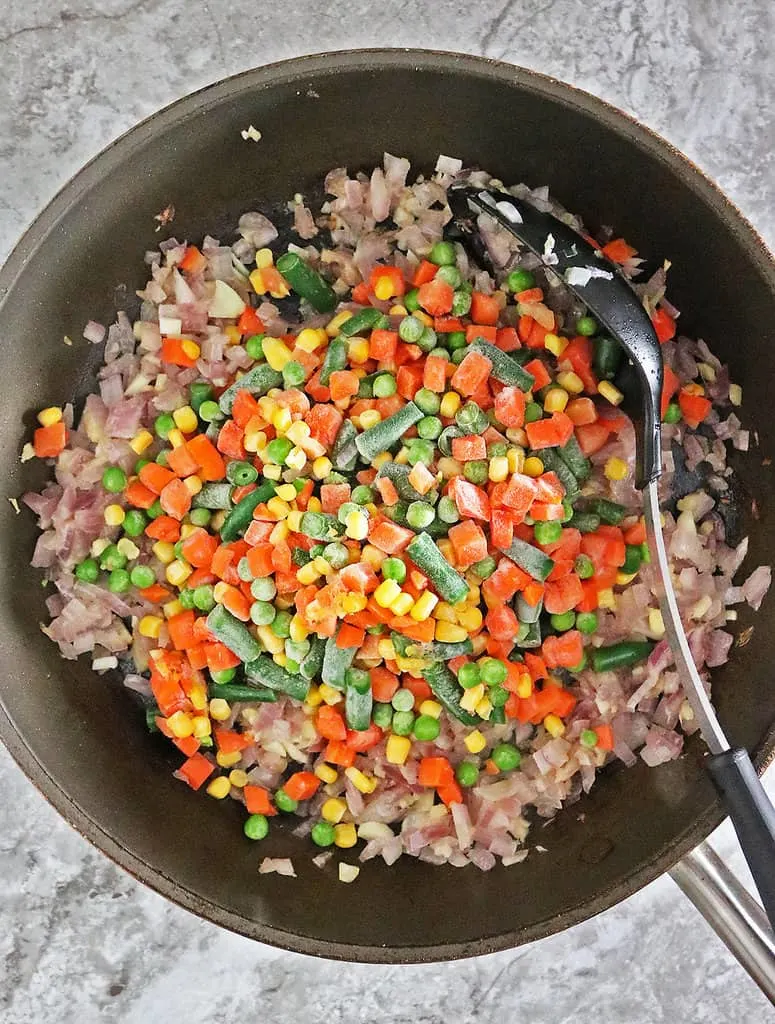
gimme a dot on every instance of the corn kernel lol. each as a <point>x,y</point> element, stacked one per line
<point>471,698</point>
<point>280,658</point>
<point>175,438</point>
<point>556,399</point>
<point>606,598</point>
<point>279,532</point>
<point>379,460</point>
<point>274,644</point>
<point>384,288</point>
<point>555,344</point>
<point>238,778</point>
<point>276,352</point>
<point>177,572</point>
<point>571,382</point>
<point>333,326</point>
<point>354,603</point>
<point>164,551</point>
<point>272,471</point>
<point>150,626</point>
<point>219,709</point>
<point>357,525</point>
<point>186,529</point>
<point>254,440</point>
<point>423,606</point>
<point>313,698</point>
<point>142,440</point>
<point>445,547</point>
<point>191,349</point>
<point>228,760</point>
<point>219,518</point>
<point>386,593</point>
<point>321,467</point>
<point>431,708</point>
<point>656,622</point>
<point>397,749</point>
<point>623,579</point>
<point>128,548</point>
<point>307,574</point>
<point>294,520</point>
<point>333,810</point>
<point>330,694</point>
<point>398,310</point>
<point>610,392</point>
<point>516,459</point>
<point>450,404</point>
<point>233,335</point>
<point>735,394</point>
<point>533,466</point>
<point>475,742</point>
<point>298,630</point>
<point>278,507</point>
<point>297,432</point>
<point>322,565</point>
<point>172,608</point>
<point>114,515</point>
<point>423,317</point>
<point>445,612</point>
<point>358,351</point>
<point>693,389</point>
<point>220,591</point>
<point>201,724</point>
<point>517,436</point>
<point>264,258</point>
<point>386,650</point>
<point>484,708</point>
<point>50,417</point>
<point>524,686</point>
<point>616,468</point>
<point>474,594</point>
<point>470,618</point>
<point>185,419</point>
<point>363,783</point>
<point>498,469</point>
<point>281,419</point>
<point>180,725</point>
<point>370,418</point>
<point>296,459</point>
<point>554,725</point>
<point>402,604</point>
<point>449,633</point>
<point>193,484</point>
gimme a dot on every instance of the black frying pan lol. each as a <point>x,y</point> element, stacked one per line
<point>78,736</point>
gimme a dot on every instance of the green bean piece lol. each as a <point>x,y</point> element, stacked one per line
<point>307,282</point>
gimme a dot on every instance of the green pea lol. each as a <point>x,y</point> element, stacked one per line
<point>493,672</point>
<point>419,515</point>
<point>200,516</point>
<point>563,621</point>
<point>384,385</point>
<point>142,576</point>
<point>411,329</point>
<point>485,568</point>
<point>254,346</point>
<point>322,833</point>
<point>382,715</point>
<point>584,567</point>
<point>394,569</point>
<point>533,412</point>
<point>163,424</point>
<point>467,773</point>
<point>263,589</point>
<point>632,558</point>
<point>428,340</point>
<point>426,728</point>
<point>111,558</point>
<point>498,695</point>
<point>461,303</point>
<point>336,554</point>
<point>161,458</point>
<point>506,757</point>
<point>362,495</point>
<point>520,281</point>
<point>587,326</point>
<point>256,827</point>
<point>285,803</point>
<point>419,450</point>
<point>294,374</point>
<point>155,510</point>
<point>446,510</point>
<point>403,700</point>
<point>469,675</point>
<point>673,413</point>
<point>177,547</point>
<point>210,412</point>
<point>588,738</point>
<point>203,598</point>
<point>476,471</point>
<point>402,722</point>
<point>458,356</point>
<point>114,479</point>
<point>199,391</point>
<point>225,675</point>
<point>450,276</point>
<point>186,598</point>
<point>497,449</point>
<point>411,300</point>
<point>118,581</point>
<point>455,340</point>
<point>262,613</point>
<point>443,254</point>
<point>429,428</point>
<point>87,571</point>
<point>586,622</point>
<point>281,625</point>
<point>342,514</point>
<point>547,533</point>
<point>317,549</point>
<point>567,508</point>
<point>471,419</point>
<point>134,522</point>
<point>278,450</point>
<point>427,401</point>
<point>141,464</point>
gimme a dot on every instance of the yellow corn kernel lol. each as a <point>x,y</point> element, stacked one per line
<point>616,468</point>
<point>445,547</point>
<point>333,810</point>
<point>264,258</point>
<point>370,418</point>
<point>322,565</point>
<point>150,626</point>
<point>185,419</point>
<point>143,439</point>
<point>450,404</point>
<point>555,344</point>
<point>220,591</point>
<point>164,551</point>
<point>431,708</point>
<point>278,507</point>
<point>354,603</point>
<point>423,606</point>
<point>238,778</point>
<point>471,698</point>
<point>274,644</point>
<point>180,725</point>
<point>693,389</point>
<point>398,310</point>
<point>297,432</point>
<point>201,724</point>
<point>114,515</point>
<point>193,484</point>
<point>372,555</point>
<point>386,593</point>
<point>172,608</point>
<point>610,392</point>
<point>345,836</point>
<point>402,604</point>
<point>50,417</point>
<point>276,352</point>
<point>554,725</point>
<point>423,317</point>
<point>449,633</point>
<point>281,419</point>
<point>357,525</point>
<point>228,760</point>
<point>516,459</point>
<point>333,326</point>
<point>329,694</point>
<point>517,436</point>
<point>233,336</point>
<point>280,658</point>
<point>358,350</point>
<point>294,520</point>
<point>384,288</point>
<point>313,698</point>
<point>219,709</point>
<point>397,749</point>
<point>254,440</point>
<point>656,622</point>
<point>379,460</point>
<point>484,708</point>
<point>175,438</point>
<point>363,783</point>
<point>186,529</point>
<point>556,400</point>
<point>307,574</point>
<point>296,459</point>
<point>623,579</point>
<point>606,598</point>
<point>128,548</point>
<point>257,281</point>
<point>177,572</point>
<point>272,471</point>
<point>571,381</point>
<point>735,394</point>
<point>498,469</point>
<point>321,467</point>
<point>279,532</point>
<point>475,742</point>
<point>533,466</point>
<point>219,518</point>
<point>474,594</point>
<point>191,349</point>
<point>327,773</point>
<point>469,618</point>
<point>445,612</point>
<point>267,405</point>
<point>198,697</point>
<point>524,686</point>
<point>298,630</point>
<point>386,650</point>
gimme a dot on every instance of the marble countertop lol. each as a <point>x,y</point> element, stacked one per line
<point>80,940</point>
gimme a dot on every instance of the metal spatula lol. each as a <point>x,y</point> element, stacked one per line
<point>600,286</point>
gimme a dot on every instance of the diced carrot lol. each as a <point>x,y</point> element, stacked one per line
<point>694,408</point>
<point>250,322</point>
<point>333,496</point>
<point>549,433</point>
<point>507,339</point>
<point>435,771</point>
<point>172,351</point>
<point>530,295</point>
<point>537,337</point>
<point>468,542</point>
<point>138,495</point>
<point>469,447</point>
<point>510,404</point>
<point>349,636</point>
<point>605,737</point>
<point>187,745</point>
<point>359,577</point>
<point>337,752</point>
<point>450,793</point>
<point>387,490</point>
<point>244,408</point>
<point>239,493</point>
<point>422,632</point>
<point>519,494</point>
<point>196,770</point>
<point>581,411</point>
<point>407,353</point>
<point>502,623</point>
<point>484,331</point>
<point>388,536</point>
<point>533,592</point>
<point>563,651</point>
<point>199,547</point>
<point>447,324</point>
<point>360,740</point>
<point>181,630</point>
<point>259,530</point>
<point>343,384</point>
<point>578,357</point>
<point>592,437</point>
<point>182,462</point>
<point>176,499</point>
<point>484,308</point>
<point>220,658</point>
<point>426,271</point>
<point>197,657</point>
<point>384,685</point>
<point>543,512</point>
<point>324,422</point>
<point>330,723</point>
<point>636,534</point>
<point>409,380</point>
<point>563,595</point>
<point>536,666</point>
<point>209,459</point>
<point>360,294</point>
<point>301,785</point>
<point>501,528</point>
<point>155,593</point>
<point>539,371</point>
<point>392,274</point>
<point>282,562</point>
<point>258,800</point>
<point>48,442</point>
<point>163,528</point>
<point>234,601</point>
<point>504,583</point>
<point>421,478</point>
<point>155,477</point>
<point>435,374</point>
<point>436,297</point>
<point>193,262</point>
<point>317,391</point>
<point>471,501</point>
<point>383,345</point>
<point>387,406</point>
<point>259,560</point>
<point>618,251</point>
<point>222,560</point>
<point>664,325</point>
<point>230,440</point>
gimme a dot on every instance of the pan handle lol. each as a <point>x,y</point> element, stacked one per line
<point>731,911</point>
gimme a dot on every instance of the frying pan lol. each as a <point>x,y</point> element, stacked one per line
<point>78,735</point>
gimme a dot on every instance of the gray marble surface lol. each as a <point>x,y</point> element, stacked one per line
<point>80,941</point>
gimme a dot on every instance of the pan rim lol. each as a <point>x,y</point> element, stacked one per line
<point>320,65</point>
